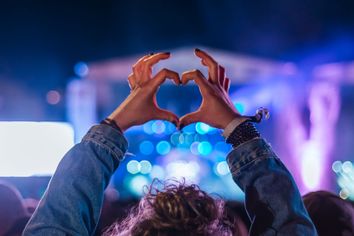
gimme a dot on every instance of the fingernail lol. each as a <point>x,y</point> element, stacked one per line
<point>197,50</point>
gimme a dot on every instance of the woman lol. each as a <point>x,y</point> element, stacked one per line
<point>72,202</point>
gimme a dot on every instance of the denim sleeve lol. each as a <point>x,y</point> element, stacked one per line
<point>72,202</point>
<point>273,201</point>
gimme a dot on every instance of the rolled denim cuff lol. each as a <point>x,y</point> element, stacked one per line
<point>247,154</point>
<point>109,138</point>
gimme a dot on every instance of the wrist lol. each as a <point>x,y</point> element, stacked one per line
<point>231,118</point>
<point>120,120</point>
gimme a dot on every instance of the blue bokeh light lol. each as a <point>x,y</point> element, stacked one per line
<point>194,148</point>
<point>147,127</point>
<point>146,147</point>
<point>81,69</point>
<point>145,167</point>
<point>204,148</point>
<point>163,147</point>
<point>158,127</point>
<point>240,107</point>
<point>133,167</point>
<point>202,128</point>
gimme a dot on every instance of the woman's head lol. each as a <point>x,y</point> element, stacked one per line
<point>176,209</point>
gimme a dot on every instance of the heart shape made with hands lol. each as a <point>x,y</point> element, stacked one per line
<point>141,105</point>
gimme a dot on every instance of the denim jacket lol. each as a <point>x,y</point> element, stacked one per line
<point>72,202</point>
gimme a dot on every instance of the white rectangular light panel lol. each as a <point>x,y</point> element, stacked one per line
<point>33,148</point>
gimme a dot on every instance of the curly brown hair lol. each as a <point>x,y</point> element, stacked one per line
<point>175,209</point>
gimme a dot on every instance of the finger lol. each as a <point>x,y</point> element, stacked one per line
<point>138,68</point>
<point>151,61</point>
<point>210,63</point>
<point>227,85</point>
<point>132,82</point>
<point>163,74</point>
<point>221,76</point>
<point>199,79</point>
<point>189,119</point>
<point>162,114</point>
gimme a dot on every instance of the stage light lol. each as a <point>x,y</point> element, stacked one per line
<point>137,184</point>
<point>175,138</point>
<point>222,168</point>
<point>163,147</point>
<point>240,107</point>
<point>81,69</point>
<point>183,169</point>
<point>344,194</point>
<point>202,128</point>
<point>33,148</point>
<point>157,172</point>
<point>145,167</point>
<point>147,127</point>
<point>194,148</point>
<point>347,167</point>
<point>133,167</point>
<point>204,148</point>
<point>53,97</point>
<point>158,127</point>
<point>311,166</point>
<point>146,147</point>
<point>337,166</point>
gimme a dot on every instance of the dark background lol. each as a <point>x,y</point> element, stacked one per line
<point>40,41</point>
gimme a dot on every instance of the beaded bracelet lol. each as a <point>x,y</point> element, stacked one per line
<point>242,133</point>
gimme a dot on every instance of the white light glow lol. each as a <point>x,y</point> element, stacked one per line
<point>33,148</point>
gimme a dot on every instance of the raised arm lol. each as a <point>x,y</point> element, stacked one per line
<point>273,201</point>
<point>72,202</point>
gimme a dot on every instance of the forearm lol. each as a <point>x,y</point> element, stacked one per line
<point>272,198</point>
<point>72,202</point>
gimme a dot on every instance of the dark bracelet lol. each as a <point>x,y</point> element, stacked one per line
<point>111,123</point>
<point>242,133</point>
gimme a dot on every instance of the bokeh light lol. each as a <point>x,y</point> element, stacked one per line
<point>202,128</point>
<point>183,169</point>
<point>81,69</point>
<point>163,147</point>
<point>240,107</point>
<point>147,127</point>
<point>222,168</point>
<point>157,172</point>
<point>158,127</point>
<point>194,148</point>
<point>145,167</point>
<point>337,166</point>
<point>204,148</point>
<point>146,147</point>
<point>133,167</point>
<point>137,184</point>
<point>53,97</point>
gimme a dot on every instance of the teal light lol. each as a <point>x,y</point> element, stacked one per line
<point>158,127</point>
<point>163,147</point>
<point>202,128</point>
<point>204,148</point>
<point>240,107</point>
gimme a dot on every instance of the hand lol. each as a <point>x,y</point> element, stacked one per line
<point>141,105</point>
<point>216,109</point>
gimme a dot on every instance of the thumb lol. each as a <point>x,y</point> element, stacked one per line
<point>162,114</point>
<point>189,119</point>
